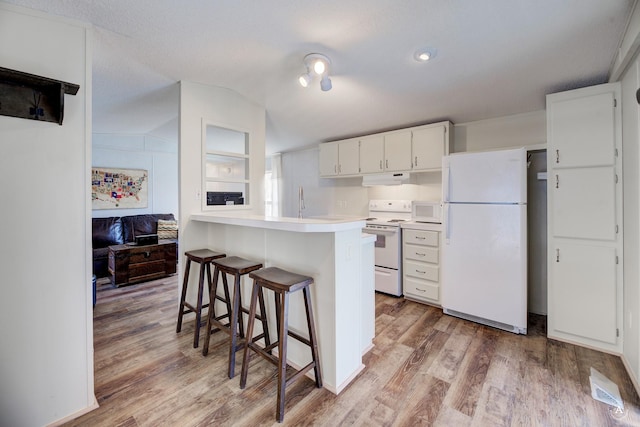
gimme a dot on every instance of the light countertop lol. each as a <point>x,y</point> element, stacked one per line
<point>302,225</point>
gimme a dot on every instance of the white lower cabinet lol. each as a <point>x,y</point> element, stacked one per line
<point>421,263</point>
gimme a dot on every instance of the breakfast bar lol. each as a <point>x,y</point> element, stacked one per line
<point>336,254</point>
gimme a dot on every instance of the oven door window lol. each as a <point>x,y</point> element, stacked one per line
<point>381,241</point>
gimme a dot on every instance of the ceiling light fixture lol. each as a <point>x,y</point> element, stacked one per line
<point>425,54</point>
<point>316,64</point>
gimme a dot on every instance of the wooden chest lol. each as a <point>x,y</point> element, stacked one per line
<point>132,264</point>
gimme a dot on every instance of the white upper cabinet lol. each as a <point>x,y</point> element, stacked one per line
<point>328,159</point>
<point>413,149</point>
<point>349,156</point>
<point>340,158</point>
<point>372,154</point>
<point>583,131</point>
<point>397,151</point>
<point>429,145</point>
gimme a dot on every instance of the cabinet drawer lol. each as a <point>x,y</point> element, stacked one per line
<point>421,253</point>
<point>140,255</point>
<point>421,289</point>
<point>420,237</point>
<point>422,270</point>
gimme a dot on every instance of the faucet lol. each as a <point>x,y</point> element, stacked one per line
<point>301,205</point>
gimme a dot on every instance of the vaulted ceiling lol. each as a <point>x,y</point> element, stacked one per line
<point>494,58</point>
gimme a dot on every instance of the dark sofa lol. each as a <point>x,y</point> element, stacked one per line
<point>116,230</point>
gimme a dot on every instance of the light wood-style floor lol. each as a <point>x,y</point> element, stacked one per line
<point>426,369</point>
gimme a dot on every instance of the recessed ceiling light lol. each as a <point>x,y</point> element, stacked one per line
<point>425,54</point>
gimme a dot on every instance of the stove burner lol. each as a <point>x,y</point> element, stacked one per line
<point>397,220</point>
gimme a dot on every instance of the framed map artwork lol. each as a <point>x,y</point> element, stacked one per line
<point>119,188</point>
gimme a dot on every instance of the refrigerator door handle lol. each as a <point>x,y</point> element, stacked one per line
<point>445,184</point>
<point>447,221</point>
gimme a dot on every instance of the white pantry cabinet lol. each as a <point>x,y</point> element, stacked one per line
<point>584,191</point>
<point>340,158</point>
<point>421,262</point>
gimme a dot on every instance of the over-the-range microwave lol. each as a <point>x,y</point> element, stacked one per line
<point>426,211</point>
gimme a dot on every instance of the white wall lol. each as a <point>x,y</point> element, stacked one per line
<point>519,130</point>
<point>323,196</point>
<point>46,327</point>
<point>230,110</point>
<point>631,215</point>
<point>158,156</point>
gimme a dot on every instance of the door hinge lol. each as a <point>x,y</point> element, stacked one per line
<point>557,255</point>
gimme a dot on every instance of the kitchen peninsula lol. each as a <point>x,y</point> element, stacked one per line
<point>340,259</point>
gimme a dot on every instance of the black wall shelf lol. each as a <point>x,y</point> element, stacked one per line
<point>28,96</point>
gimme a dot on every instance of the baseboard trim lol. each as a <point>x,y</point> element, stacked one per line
<point>634,380</point>
<point>75,415</point>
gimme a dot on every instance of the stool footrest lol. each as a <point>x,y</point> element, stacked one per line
<point>192,309</point>
<point>299,337</point>
<point>300,373</point>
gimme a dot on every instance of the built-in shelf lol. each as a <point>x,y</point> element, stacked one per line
<point>28,96</point>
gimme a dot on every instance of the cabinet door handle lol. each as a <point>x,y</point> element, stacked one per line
<point>421,272</point>
<point>420,237</point>
<point>147,254</point>
<point>420,254</point>
<point>421,290</point>
<point>557,156</point>
<point>380,164</point>
<point>416,161</point>
<point>557,181</point>
<point>387,164</point>
<point>557,255</point>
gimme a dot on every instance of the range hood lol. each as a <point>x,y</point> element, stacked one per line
<point>385,179</point>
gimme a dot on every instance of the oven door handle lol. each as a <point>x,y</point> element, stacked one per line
<point>380,230</point>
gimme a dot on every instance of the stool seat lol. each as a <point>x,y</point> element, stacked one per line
<point>234,263</point>
<point>204,257</point>
<point>234,325</point>
<point>276,278</point>
<point>282,283</point>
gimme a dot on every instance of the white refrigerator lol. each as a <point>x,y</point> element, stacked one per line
<point>484,253</point>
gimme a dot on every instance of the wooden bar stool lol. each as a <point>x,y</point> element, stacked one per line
<point>282,283</point>
<point>204,257</point>
<point>237,267</point>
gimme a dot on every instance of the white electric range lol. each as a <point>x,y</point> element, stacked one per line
<point>385,217</point>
